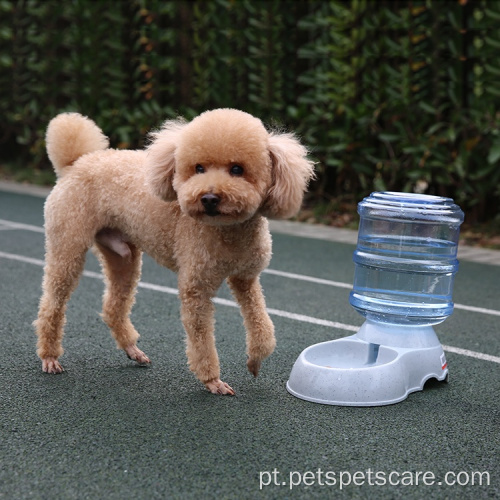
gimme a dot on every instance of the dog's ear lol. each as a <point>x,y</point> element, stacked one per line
<point>161,159</point>
<point>291,173</point>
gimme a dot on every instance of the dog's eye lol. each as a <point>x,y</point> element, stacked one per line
<point>199,169</point>
<point>236,170</point>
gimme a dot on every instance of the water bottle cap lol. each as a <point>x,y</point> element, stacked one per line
<point>411,207</point>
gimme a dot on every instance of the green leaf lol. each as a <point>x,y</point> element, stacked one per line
<point>427,108</point>
<point>389,137</point>
<point>494,153</point>
<point>491,41</point>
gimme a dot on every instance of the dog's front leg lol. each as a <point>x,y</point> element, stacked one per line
<point>197,313</point>
<point>260,329</point>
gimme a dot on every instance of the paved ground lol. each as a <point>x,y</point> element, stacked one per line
<point>109,429</point>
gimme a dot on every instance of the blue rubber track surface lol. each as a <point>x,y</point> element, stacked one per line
<point>109,429</point>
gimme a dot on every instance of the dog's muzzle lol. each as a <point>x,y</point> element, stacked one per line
<point>210,202</point>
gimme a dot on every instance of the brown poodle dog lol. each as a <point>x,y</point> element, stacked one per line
<point>195,200</point>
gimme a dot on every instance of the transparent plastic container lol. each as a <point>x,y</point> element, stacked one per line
<point>406,258</point>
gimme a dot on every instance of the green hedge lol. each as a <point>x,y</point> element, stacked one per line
<point>398,95</point>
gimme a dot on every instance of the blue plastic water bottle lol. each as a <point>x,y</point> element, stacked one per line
<point>406,258</point>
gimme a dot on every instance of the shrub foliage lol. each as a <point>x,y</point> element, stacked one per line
<point>397,95</point>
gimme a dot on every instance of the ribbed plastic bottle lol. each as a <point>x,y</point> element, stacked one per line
<point>406,258</point>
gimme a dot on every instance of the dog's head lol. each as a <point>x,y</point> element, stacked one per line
<point>224,166</point>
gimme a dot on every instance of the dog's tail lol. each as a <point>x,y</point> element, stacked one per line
<point>71,135</point>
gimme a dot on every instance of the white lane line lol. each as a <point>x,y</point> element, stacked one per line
<point>217,300</point>
<point>314,321</point>
<point>7,224</point>
<point>481,310</point>
<point>471,354</point>
<point>159,288</point>
<point>274,312</point>
<point>311,279</point>
<point>339,284</point>
<point>22,258</point>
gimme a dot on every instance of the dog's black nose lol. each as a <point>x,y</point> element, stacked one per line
<point>210,202</point>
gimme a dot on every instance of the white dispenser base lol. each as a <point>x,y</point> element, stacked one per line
<point>379,365</point>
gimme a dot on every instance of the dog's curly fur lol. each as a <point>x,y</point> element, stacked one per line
<point>196,200</point>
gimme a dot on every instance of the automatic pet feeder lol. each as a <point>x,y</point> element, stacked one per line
<point>405,262</point>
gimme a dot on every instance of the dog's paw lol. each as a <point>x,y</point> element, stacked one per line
<point>216,386</point>
<point>253,366</point>
<point>135,354</point>
<point>51,365</point>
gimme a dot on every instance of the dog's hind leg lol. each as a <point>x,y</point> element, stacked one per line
<point>260,329</point>
<point>122,274</point>
<point>63,267</point>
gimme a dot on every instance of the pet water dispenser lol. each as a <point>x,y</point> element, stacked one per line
<point>405,263</point>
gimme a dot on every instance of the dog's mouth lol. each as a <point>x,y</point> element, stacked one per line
<point>217,209</point>
<point>212,212</point>
<point>214,216</point>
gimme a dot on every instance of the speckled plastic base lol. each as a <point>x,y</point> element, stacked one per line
<point>376,366</point>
